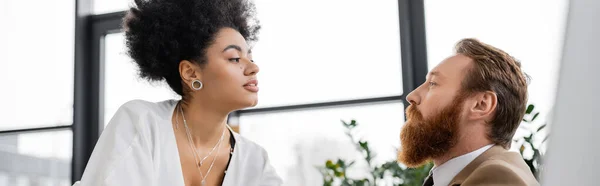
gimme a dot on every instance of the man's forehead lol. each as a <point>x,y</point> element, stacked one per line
<point>453,66</point>
<point>435,72</point>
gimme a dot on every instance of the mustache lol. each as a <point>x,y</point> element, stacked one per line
<point>413,113</point>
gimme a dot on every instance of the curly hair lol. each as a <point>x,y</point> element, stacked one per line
<point>161,33</point>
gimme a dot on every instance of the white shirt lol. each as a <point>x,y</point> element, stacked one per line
<point>138,147</point>
<point>443,174</point>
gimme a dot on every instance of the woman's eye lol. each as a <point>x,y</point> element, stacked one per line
<point>237,60</point>
<point>431,83</point>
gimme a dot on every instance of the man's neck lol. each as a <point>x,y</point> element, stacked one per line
<point>459,150</point>
<point>472,137</point>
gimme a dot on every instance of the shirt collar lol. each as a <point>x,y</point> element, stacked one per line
<point>443,174</point>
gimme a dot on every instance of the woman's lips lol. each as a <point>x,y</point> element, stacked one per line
<point>251,85</point>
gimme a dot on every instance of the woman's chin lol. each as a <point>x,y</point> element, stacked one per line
<point>253,103</point>
<point>248,104</point>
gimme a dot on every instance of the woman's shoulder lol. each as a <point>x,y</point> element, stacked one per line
<point>139,107</point>
<point>139,114</point>
<point>129,140</point>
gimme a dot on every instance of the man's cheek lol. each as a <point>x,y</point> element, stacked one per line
<point>426,114</point>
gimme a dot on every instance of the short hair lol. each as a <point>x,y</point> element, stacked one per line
<point>161,33</point>
<point>497,71</point>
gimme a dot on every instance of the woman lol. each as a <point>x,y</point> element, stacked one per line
<point>199,48</point>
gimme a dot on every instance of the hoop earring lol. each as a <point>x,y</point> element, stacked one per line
<point>197,84</point>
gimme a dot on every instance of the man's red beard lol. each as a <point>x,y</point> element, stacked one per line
<point>422,139</point>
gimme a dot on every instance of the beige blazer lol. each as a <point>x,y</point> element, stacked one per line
<point>496,166</point>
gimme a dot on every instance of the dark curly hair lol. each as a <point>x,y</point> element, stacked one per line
<point>161,33</point>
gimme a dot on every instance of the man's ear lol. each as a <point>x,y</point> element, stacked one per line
<point>484,105</point>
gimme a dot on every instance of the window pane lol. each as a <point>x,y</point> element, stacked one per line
<point>532,31</point>
<point>121,79</point>
<point>309,54</point>
<point>36,63</point>
<point>42,158</point>
<point>109,6</point>
<point>297,141</point>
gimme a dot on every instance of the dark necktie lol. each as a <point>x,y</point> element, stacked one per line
<point>428,180</point>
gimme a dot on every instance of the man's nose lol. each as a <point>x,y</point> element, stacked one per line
<point>413,98</point>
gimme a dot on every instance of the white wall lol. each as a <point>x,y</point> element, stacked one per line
<point>573,150</point>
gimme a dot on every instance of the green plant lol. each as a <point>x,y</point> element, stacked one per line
<point>334,172</point>
<point>535,161</point>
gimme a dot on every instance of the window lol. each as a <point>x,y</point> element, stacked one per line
<point>321,56</point>
<point>109,6</point>
<point>36,68</point>
<point>36,74</point>
<point>41,158</point>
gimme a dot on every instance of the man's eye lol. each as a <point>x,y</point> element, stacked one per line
<point>237,60</point>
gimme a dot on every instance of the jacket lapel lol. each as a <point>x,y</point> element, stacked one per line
<point>463,174</point>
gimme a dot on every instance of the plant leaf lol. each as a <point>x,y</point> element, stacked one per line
<point>529,109</point>
<point>329,163</point>
<point>522,149</point>
<point>534,116</point>
<point>364,145</point>
<point>528,138</point>
<point>341,163</point>
<point>541,127</point>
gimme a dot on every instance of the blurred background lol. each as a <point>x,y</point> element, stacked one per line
<point>64,73</point>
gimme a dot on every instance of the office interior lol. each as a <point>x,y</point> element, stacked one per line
<point>64,73</point>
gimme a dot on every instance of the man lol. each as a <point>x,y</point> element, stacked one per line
<point>463,119</point>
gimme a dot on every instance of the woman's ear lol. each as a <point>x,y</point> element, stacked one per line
<point>189,71</point>
<point>485,105</point>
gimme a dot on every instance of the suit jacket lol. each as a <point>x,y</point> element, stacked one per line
<point>496,166</point>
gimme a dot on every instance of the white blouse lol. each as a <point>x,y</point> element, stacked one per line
<point>138,147</point>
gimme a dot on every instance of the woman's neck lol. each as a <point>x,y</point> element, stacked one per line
<point>206,124</point>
